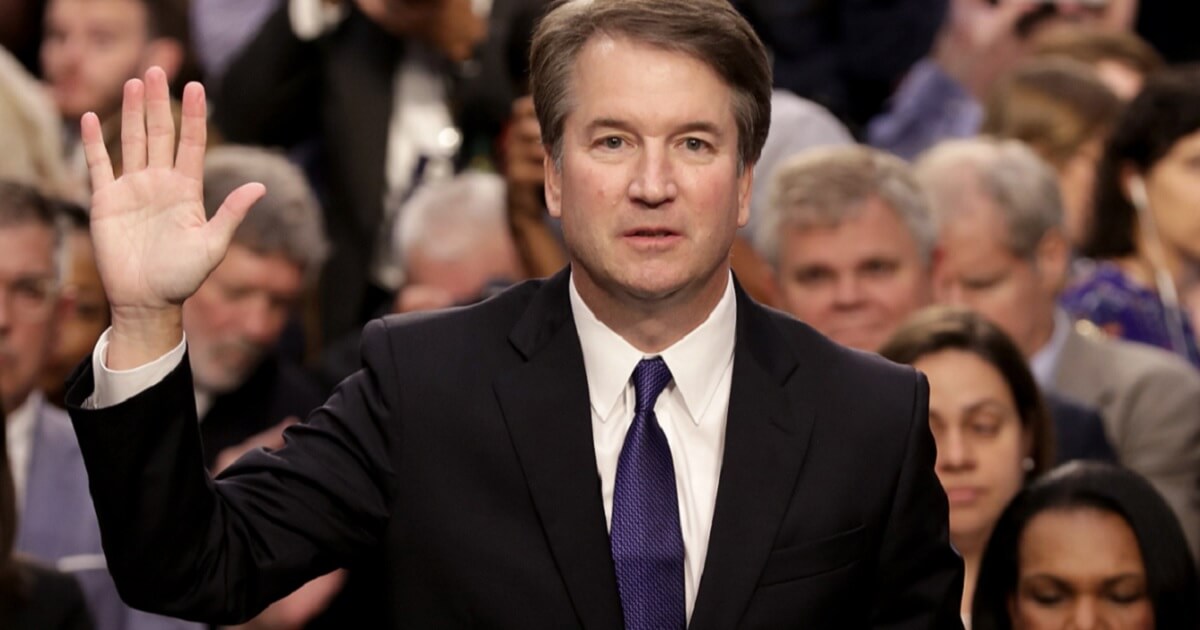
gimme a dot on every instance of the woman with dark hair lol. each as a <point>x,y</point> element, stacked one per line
<point>1144,241</point>
<point>992,430</point>
<point>1088,545</point>
<point>31,597</point>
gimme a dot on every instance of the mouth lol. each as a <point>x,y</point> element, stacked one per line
<point>651,237</point>
<point>963,496</point>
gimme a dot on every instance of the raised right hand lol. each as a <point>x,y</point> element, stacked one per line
<point>154,246</point>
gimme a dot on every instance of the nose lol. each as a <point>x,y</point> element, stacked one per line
<point>5,309</point>
<point>261,321</point>
<point>847,292</point>
<point>947,291</point>
<point>953,450</point>
<point>653,183</point>
<point>1083,615</point>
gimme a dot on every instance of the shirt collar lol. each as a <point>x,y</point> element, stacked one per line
<point>19,429</point>
<point>1045,361</point>
<point>697,361</point>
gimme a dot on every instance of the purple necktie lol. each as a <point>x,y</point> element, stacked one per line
<point>647,546</point>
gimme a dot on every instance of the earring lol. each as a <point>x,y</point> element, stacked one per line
<point>1027,464</point>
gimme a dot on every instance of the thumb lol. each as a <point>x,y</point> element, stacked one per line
<point>229,216</point>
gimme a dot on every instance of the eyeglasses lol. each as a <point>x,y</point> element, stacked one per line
<point>29,298</point>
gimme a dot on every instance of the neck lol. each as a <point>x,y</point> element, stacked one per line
<point>653,324</point>
<point>1041,336</point>
<point>971,548</point>
<point>1141,266</point>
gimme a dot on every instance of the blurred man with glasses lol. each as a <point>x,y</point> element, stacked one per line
<point>57,523</point>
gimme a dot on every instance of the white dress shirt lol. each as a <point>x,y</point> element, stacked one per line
<point>692,409</point>
<point>19,433</point>
<point>1044,362</point>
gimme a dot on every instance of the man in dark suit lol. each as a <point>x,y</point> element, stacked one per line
<point>750,473</point>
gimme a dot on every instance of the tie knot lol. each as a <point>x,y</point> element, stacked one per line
<point>650,377</point>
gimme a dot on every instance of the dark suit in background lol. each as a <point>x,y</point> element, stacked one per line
<point>337,90</point>
<point>1078,431</point>
<point>462,457</point>
<point>54,602</point>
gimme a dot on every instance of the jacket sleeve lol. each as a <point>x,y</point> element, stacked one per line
<point>1161,440</point>
<point>919,577</point>
<point>271,91</point>
<point>181,544</point>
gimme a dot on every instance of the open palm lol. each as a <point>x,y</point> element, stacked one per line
<point>154,245</point>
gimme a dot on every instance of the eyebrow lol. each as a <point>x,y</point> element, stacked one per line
<point>701,126</point>
<point>990,404</point>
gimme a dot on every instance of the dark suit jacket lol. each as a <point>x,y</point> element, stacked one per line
<point>1078,431</point>
<point>55,602</point>
<point>462,455</point>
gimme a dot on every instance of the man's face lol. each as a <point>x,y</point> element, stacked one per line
<point>87,318</point>
<point>856,282</point>
<point>649,191</point>
<point>91,47</point>
<point>978,270</point>
<point>237,315</point>
<point>29,308</point>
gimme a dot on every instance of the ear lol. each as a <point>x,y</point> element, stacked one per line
<point>553,185</point>
<point>1133,185</point>
<point>63,305</point>
<point>166,53</point>
<point>745,186</point>
<point>1052,258</point>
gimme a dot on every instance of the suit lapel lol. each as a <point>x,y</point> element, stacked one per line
<point>545,404</point>
<point>766,438</point>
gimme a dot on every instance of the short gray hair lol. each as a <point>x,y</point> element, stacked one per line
<point>827,186</point>
<point>287,221</point>
<point>1022,186</point>
<point>23,204</point>
<point>449,218</point>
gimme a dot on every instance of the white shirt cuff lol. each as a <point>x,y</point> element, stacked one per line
<point>113,387</point>
<point>312,18</point>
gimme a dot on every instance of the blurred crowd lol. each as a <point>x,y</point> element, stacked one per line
<point>1004,194</point>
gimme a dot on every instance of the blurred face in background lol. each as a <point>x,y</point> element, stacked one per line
<point>237,316</point>
<point>1080,568</point>
<point>857,281</point>
<point>87,318</point>
<point>90,48</point>
<point>30,307</point>
<point>1173,190</point>
<point>977,269</point>
<point>981,441</point>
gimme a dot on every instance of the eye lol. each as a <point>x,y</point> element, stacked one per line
<point>612,143</point>
<point>812,275</point>
<point>981,284</point>
<point>985,428</point>
<point>695,144</point>
<point>879,267</point>
<point>1046,598</point>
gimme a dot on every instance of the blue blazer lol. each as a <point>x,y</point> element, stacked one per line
<point>58,525</point>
